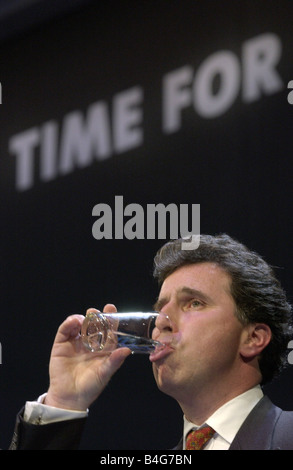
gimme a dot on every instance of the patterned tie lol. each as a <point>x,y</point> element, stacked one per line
<point>196,440</point>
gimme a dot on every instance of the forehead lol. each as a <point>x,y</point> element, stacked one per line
<point>207,277</point>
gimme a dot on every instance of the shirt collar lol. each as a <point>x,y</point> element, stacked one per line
<point>227,420</point>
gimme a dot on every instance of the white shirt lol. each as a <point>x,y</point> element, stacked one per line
<point>37,413</point>
<point>227,420</point>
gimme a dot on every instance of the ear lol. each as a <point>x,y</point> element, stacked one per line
<point>255,338</point>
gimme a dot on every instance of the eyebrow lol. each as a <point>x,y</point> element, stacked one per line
<point>182,290</point>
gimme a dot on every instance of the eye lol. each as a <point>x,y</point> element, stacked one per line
<point>194,304</point>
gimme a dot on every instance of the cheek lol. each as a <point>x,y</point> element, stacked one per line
<point>200,337</point>
<point>209,341</point>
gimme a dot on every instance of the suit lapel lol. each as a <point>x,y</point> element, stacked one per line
<point>257,430</point>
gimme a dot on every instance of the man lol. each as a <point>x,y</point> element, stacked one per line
<point>226,324</point>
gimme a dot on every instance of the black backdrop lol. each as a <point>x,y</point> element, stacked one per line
<point>237,165</point>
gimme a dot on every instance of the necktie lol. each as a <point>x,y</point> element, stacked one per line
<point>196,440</point>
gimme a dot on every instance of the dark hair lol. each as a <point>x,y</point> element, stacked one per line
<point>257,293</point>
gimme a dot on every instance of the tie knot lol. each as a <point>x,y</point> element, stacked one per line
<point>196,440</point>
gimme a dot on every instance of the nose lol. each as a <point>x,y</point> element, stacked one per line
<point>163,322</point>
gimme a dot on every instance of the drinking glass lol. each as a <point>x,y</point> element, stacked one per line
<point>105,332</point>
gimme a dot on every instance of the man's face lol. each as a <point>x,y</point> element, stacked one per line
<point>204,330</point>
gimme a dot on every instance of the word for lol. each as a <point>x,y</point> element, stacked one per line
<point>163,459</point>
<point>54,149</point>
<point>149,226</point>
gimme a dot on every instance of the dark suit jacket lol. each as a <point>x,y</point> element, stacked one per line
<point>267,427</point>
<point>63,435</point>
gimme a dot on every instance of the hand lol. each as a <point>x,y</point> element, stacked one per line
<point>78,376</point>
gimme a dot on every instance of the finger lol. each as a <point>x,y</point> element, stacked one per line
<point>109,308</point>
<point>69,328</point>
<point>92,310</point>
